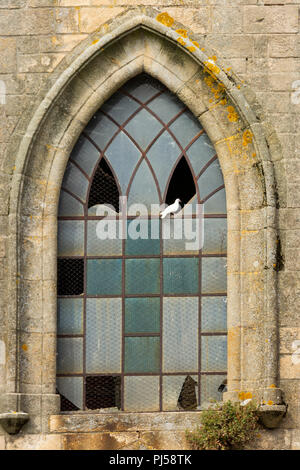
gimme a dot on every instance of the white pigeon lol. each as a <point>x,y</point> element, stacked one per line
<point>172,209</point>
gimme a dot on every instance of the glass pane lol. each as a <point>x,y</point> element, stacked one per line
<point>182,236</point>
<point>185,128</point>
<point>214,275</point>
<point>142,276</point>
<point>95,245</point>
<point>143,128</point>
<point>104,276</point>
<point>143,87</point>
<point>142,246</point>
<point>75,181</point>
<point>213,314</point>
<point>85,155</point>
<point>141,393</point>
<point>70,238</point>
<point>210,180</point>
<point>166,106</point>
<point>69,355</point>
<point>173,388</point>
<point>123,156</point>
<point>209,388</point>
<point>162,156</point>
<point>69,314</point>
<point>180,334</point>
<point>142,354</point>
<point>215,235</point>
<point>103,335</point>
<point>101,129</point>
<point>200,152</point>
<point>216,204</point>
<point>68,205</point>
<point>142,315</point>
<point>71,388</point>
<point>214,353</point>
<point>180,275</point>
<point>120,107</point>
<point>143,189</point>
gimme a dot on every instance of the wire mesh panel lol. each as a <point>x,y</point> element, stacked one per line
<point>141,314</point>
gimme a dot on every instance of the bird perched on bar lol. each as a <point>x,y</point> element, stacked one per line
<point>223,386</point>
<point>171,209</point>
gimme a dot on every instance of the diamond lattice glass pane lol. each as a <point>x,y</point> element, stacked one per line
<point>143,128</point>
<point>75,181</point>
<point>162,156</point>
<point>214,353</point>
<point>103,335</point>
<point>85,155</point>
<point>180,334</point>
<point>209,388</point>
<point>69,206</point>
<point>120,107</point>
<point>142,276</point>
<point>71,388</point>
<point>200,152</point>
<point>142,315</point>
<point>182,236</point>
<point>210,180</point>
<point>215,235</point>
<point>101,129</point>
<point>142,246</point>
<point>173,386</point>
<point>97,246</point>
<point>214,275</point>
<point>70,316</point>
<point>216,204</point>
<point>104,276</point>
<point>142,354</point>
<point>185,128</point>
<point>123,156</point>
<point>180,275</point>
<point>143,87</point>
<point>70,238</point>
<point>213,313</point>
<point>141,393</point>
<point>143,189</point>
<point>166,106</point>
<point>69,355</point>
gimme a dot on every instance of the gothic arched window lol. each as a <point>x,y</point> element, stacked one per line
<point>141,321</point>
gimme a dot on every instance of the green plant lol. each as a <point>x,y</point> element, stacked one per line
<point>225,426</point>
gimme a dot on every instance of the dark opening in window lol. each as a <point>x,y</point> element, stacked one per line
<point>65,404</point>
<point>103,391</point>
<point>70,276</point>
<point>182,184</point>
<point>104,189</point>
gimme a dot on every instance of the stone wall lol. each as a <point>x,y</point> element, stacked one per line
<point>257,43</point>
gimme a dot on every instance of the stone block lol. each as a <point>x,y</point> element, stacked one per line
<point>271,19</point>
<point>7,55</point>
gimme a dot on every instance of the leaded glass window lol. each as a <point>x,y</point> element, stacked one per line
<point>141,321</point>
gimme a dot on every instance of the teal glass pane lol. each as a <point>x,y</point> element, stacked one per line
<point>141,393</point>
<point>85,155</point>
<point>143,88</point>
<point>142,354</point>
<point>69,206</point>
<point>120,107</point>
<point>103,335</point>
<point>143,188</point>
<point>72,389</point>
<point>166,106</point>
<point>216,204</point>
<point>70,238</point>
<point>214,278</point>
<point>214,353</point>
<point>162,156</point>
<point>210,180</point>
<point>214,314</point>
<point>142,315</point>
<point>185,128</point>
<point>215,236</point>
<point>101,129</point>
<point>200,152</point>
<point>143,128</point>
<point>75,181</point>
<point>209,388</point>
<point>179,233</point>
<point>104,276</point>
<point>69,355</point>
<point>142,246</point>
<point>180,334</point>
<point>107,247</point>
<point>123,156</point>
<point>70,316</point>
<point>142,276</point>
<point>172,386</point>
<point>180,275</point>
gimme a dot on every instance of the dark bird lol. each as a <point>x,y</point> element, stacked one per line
<point>223,386</point>
<point>187,399</point>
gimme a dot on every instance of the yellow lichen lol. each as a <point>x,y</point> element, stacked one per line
<point>165,19</point>
<point>232,115</point>
<point>181,41</point>
<point>191,48</point>
<point>270,402</point>
<point>182,32</point>
<point>24,347</point>
<point>247,137</point>
<point>248,395</point>
<point>272,386</point>
<point>242,396</point>
<point>211,67</point>
<point>196,44</point>
<point>95,41</point>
